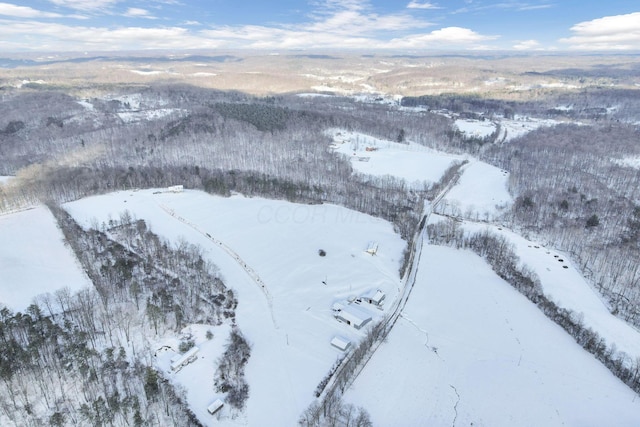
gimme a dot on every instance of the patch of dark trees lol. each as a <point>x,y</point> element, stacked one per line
<point>501,256</point>
<point>126,260</point>
<point>74,358</point>
<point>229,376</point>
<point>598,104</point>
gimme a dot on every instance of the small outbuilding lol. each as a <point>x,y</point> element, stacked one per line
<point>374,296</point>
<point>176,188</point>
<point>215,406</point>
<point>341,343</point>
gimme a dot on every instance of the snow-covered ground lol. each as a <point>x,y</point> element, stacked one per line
<point>630,161</point>
<point>413,162</point>
<point>564,284</point>
<point>34,259</point>
<point>153,114</point>
<point>521,125</point>
<point>275,244</point>
<point>470,350</point>
<point>197,376</point>
<point>5,179</point>
<point>481,193</point>
<point>475,128</point>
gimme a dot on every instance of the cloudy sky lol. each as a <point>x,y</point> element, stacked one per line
<point>91,25</point>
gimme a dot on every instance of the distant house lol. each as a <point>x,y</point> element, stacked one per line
<point>215,406</point>
<point>185,359</point>
<point>176,188</point>
<point>341,343</point>
<point>353,316</point>
<point>374,296</point>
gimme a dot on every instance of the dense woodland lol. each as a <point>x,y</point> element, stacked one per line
<point>85,359</point>
<point>572,190</point>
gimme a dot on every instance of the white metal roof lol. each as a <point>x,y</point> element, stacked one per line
<point>354,315</point>
<point>340,342</point>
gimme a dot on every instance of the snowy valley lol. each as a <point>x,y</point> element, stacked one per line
<point>179,256</point>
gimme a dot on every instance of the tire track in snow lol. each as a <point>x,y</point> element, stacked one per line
<point>250,271</point>
<point>455,406</point>
<point>426,334</point>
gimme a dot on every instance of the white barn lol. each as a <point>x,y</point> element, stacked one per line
<point>353,316</point>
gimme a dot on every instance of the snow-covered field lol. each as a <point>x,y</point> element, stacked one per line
<point>144,115</point>
<point>564,284</point>
<point>481,193</point>
<point>413,162</point>
<point>632,162</point>
<point>519,126</point>
<point>475,128</point>
<point>257,242</point>
<point>34,258</point>
<point>470,350</point>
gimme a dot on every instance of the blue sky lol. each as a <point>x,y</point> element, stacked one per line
<point>408,25</point>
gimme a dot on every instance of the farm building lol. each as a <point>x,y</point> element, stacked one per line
<point>339,305</point>
<point>341,343</point>
<point>185,359</point>
<point>215,406</point>
<point>176,188</point>
<point>353,316</point>
<point>374,296</point>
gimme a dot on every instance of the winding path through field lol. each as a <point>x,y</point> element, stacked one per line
<point>250,271</point>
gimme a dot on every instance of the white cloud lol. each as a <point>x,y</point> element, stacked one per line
<point>332,24</point>
<point>507,5</point>
<point>535,7</point>
<point>444,37</point>
<point>329,6</point>
<point>619,32</point>
<point>426,5</point>
<point>528,45</point>
<point>351,22</point>
<point>134,12</point>
<point>86,5</point>
<point>7,9</point>
<point>52,36</point>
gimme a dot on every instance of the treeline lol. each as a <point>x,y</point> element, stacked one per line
<point>592,104</point>
<point>329,409</point>
<point>76,359</point>
<point>216,144</point>
<point>54,374</point>
<point>264,117</point>
<point>575,192</point>
<point>127,263</point>
<point>500,254</point>
<point>229,376</point>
